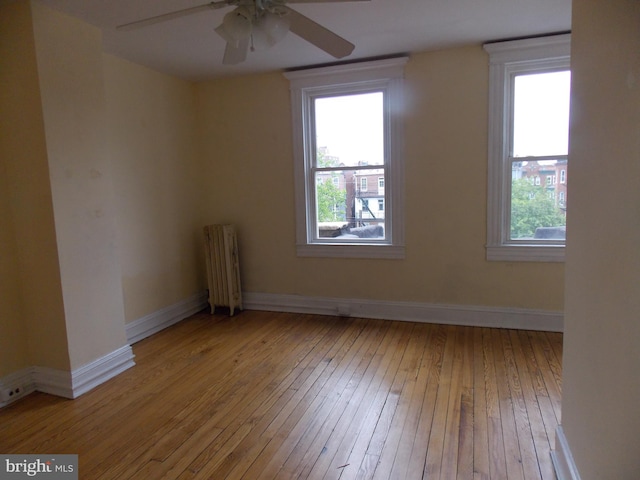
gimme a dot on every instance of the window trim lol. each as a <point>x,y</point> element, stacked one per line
<point>506,59</point>
<point>306,84</point>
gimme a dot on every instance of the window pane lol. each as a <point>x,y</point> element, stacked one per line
<point>538,200</point>
<point>541,114</point>
<point>350,130</point>
<point>349,208</point>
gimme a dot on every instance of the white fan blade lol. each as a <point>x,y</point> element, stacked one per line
<point>172,15</point>
<point>318,35</point>
<point>234,54</point>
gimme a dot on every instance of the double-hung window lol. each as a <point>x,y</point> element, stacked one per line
<point>528,148</point>
<point>346,126</point>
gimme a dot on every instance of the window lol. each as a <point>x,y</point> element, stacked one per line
<point>347,125</point>
<point>528,146</point>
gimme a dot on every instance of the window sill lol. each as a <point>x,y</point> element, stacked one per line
<point>525,253</point>
<point>351,251</point>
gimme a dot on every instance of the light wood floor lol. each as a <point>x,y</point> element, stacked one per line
<point>277,396</point>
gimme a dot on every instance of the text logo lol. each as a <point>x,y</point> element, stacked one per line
<point>50,467</point>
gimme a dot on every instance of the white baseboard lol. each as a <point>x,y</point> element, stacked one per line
<point>52,381</point>
<point>156,321</point>
<point>477,316</point>
<point>81,380</point>
<point>563,462</point>
<point>67,384</point>
<point>99,371</point>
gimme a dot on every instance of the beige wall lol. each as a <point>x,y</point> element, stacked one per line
<point>98,168</point>
<point>245,131</point>
<point>69,59</point>
<point>13,331</point>
<point>32,326</point>
<point>601,379</point>
<point>14,20</point>
<point>151,123</point>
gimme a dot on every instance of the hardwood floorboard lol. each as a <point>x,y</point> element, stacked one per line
<point>305,458</point>
<point>358,459</point>
<point>551,368</point>
<point>497,458</point>
<point>332,432</point>
<point>517,382</point>
<point>534,414</point>
<point>393,445</point>
<point>466,440</point>
<point>481,469</point>
<point>255,443</point>
<point>357,417</point>
<point>289,396</point>
<point>432,364</point>
<point>411,428</point>
<point>308,407</point>
<point>513,454</point>
<point>435,446</point>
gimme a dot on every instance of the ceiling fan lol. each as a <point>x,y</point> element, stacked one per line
<point>256,24</point>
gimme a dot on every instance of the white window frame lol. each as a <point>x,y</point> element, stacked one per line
<point>306,85</point>
<point>507,59</point>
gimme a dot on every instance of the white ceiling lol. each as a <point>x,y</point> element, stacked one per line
<point>188,47</point>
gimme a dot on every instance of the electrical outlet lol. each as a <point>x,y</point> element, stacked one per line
<point>11,394</point>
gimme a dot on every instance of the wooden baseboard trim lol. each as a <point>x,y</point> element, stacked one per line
<point>477,316</point>
<point>563,462</point>
<point>156,321</point>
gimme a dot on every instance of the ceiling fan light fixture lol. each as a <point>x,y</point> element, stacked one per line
<point>270,28</point>
<point>236,26</point>
<point>260,24</point>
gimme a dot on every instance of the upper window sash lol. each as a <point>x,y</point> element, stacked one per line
<point>506,61</point>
